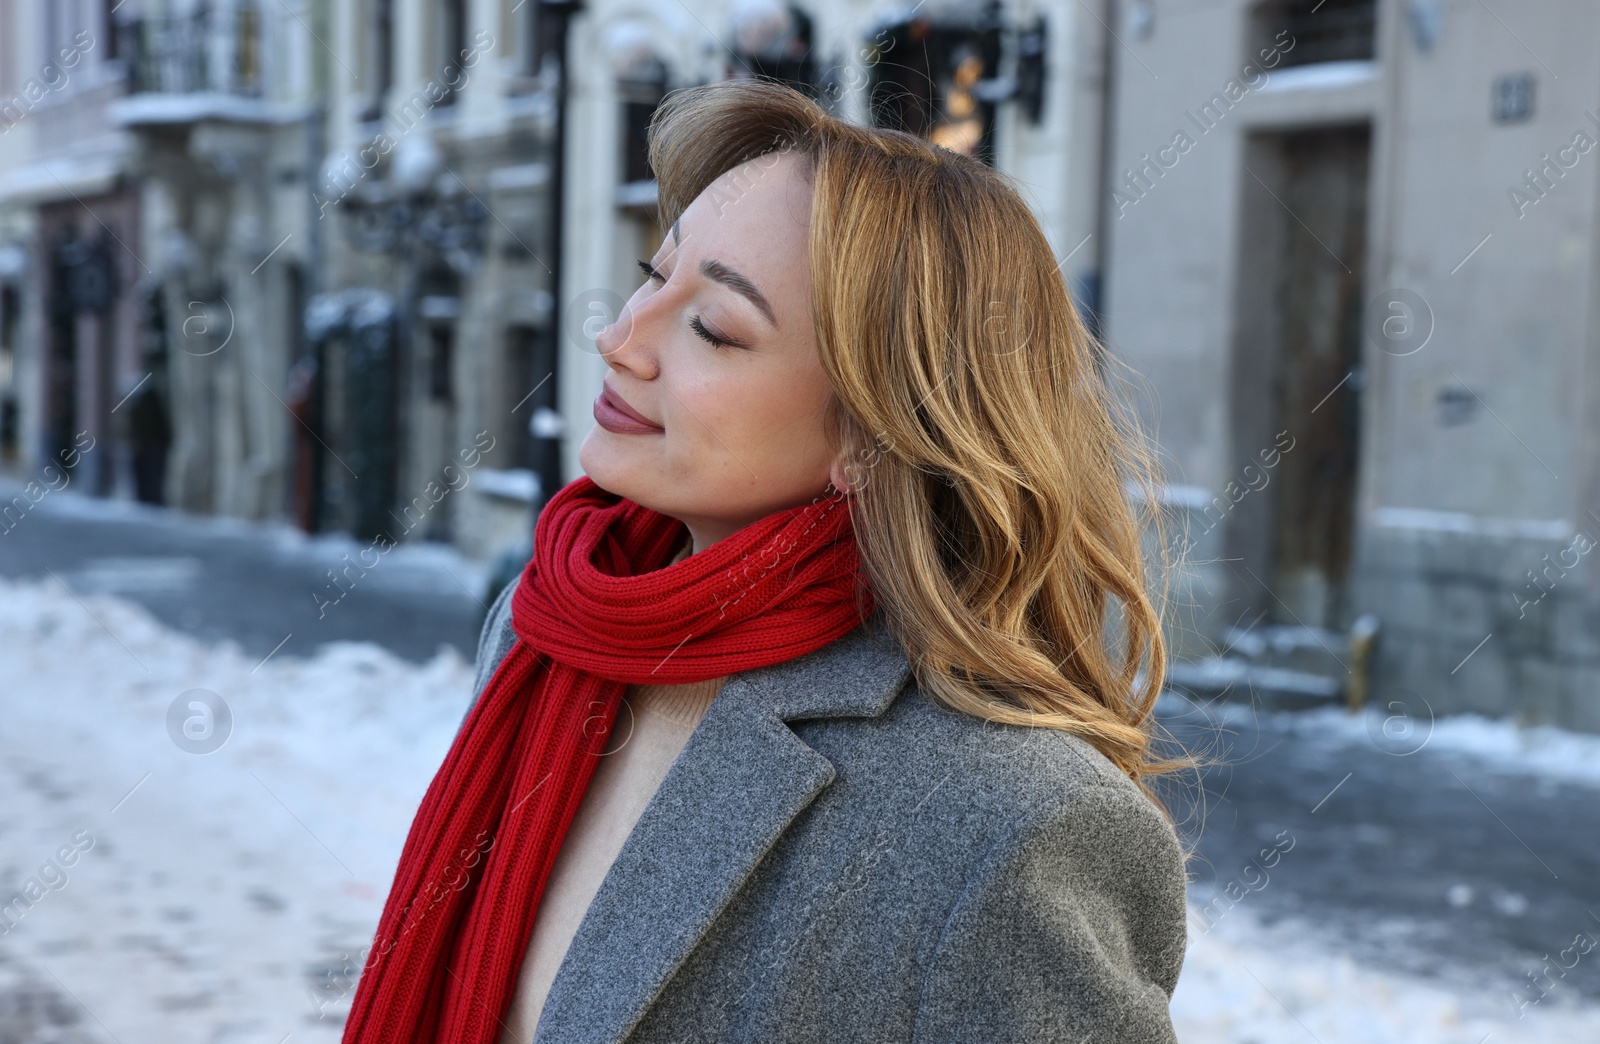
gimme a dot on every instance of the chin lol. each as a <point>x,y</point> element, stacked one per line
<point>613,469</point>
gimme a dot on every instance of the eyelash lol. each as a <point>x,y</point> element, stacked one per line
<point>706,335</point>
<point>695,324</point>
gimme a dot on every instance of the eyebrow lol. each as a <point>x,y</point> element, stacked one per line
<point>713,269</point>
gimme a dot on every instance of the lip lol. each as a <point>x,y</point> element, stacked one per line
<point>614,414</point>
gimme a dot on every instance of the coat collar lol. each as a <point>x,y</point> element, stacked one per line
<point>736,786</point>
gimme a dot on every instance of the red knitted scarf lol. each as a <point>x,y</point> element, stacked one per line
<point>597,609</point>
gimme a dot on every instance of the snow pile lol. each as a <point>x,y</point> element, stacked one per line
<point>1243,983</point>
<point>1543,750</point>
<point>225,896</point>
<point>1495,744</point>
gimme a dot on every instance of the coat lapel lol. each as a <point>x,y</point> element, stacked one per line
<point>738,783</point>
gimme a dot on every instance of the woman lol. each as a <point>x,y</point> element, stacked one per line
<point>806,721</point>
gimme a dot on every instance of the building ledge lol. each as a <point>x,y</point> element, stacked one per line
<point>1321,93</point>
<point>1430,520</point>
<point>67,177</point>
<point>1321,76</point>
<point>636,195</point>
<point>168,109</point>
<point>514,484</point>
<point>519,177</point>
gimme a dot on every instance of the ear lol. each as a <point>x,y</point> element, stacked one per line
<point>836,476</point>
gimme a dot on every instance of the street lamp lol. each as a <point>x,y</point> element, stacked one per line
<point>419,207</point>
<point>417,163</point>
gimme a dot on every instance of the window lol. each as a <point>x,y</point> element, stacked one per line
<point>640,95</point>
<point>927,78</point>
<point>383,46</point>
<point>450,30</point>
<point>108,29</point>
<point>1329,31</point>
<point>10,320</point>
<point>441,360</point>
<point>529,400</point>
<point>775,48</point>
<point>541,35</point>
<point>380,57</point>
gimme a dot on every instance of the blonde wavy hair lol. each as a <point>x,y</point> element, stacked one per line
<point>990,462</point>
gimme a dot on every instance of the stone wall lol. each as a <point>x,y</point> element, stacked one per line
<point>1443,594</point>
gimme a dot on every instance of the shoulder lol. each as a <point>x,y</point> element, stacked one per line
<point>1070,879</point>
<point>1049,793</point>
<point>898,741</point>
<point>1015,772</point>
<point>1052,888</point>
<point>972,791</point>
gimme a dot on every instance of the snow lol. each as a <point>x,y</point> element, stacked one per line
<point>86,175</point>
<point>1492,744</point>
<point>1322,76</point>
<point>1246,983</point>
<point>1472,525</point>
<point>226,897</point>
<point>192,107</point>
<point>224,893</point>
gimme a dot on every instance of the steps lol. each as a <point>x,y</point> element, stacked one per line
<point>1283,667</point>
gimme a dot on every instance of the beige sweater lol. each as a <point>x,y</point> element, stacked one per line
<point>653,725</point>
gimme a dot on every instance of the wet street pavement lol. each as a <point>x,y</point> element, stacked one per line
<point>1432,861</point>
<point>1421,855</point>
<point>266,587</point>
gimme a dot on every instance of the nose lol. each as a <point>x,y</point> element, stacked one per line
<point>624,343</point>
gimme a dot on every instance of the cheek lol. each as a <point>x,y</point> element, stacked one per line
<point>771,420</point>
<point>709,425</point>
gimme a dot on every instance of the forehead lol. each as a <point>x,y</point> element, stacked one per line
<point>768,196</point>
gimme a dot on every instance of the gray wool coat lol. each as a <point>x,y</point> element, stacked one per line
<point>835,858</point>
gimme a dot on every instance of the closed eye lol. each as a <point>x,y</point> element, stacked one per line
<point>700,329</point>
<point>711,337</point>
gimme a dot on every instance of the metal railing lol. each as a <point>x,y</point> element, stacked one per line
<point>207,51</point>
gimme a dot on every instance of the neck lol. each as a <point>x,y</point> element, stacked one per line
<point>703,534</point>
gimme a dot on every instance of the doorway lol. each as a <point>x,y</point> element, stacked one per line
<point>1297,375</point>
<point>530,401</point>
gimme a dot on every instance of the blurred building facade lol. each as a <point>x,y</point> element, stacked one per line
<point>1353,247</point>
<point>69,242</point>
<point>487,184</point>
<point>343,263</point>
<point>146,170</point>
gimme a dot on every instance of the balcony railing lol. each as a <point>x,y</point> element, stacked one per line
<point>208,51</point>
